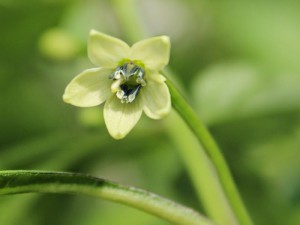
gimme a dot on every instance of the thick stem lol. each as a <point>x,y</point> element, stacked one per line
<point>21,181</point>
<point>213,152</point>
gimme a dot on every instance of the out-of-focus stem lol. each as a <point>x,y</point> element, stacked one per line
<point>213,152</point>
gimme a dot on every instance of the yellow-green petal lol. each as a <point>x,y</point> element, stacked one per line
<point>120,118</point>
<point>153,52</point>
<point>90,88</point>
<point>156,97</point>
<point>105,50</point>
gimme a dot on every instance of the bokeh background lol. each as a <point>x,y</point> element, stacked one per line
<point>237,61</point>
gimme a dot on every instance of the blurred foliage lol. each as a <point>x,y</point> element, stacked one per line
<point>237,60</point>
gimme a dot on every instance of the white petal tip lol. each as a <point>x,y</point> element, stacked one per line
<point>93,31</point>
<point>66,99</point>
<point>165,39</point>
<point>118,136</point>
<point>69,101</point>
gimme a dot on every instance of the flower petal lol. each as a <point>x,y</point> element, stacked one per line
<point>90,88</point>
<point>154,52</point>
<point>105,50</point>
<point>156,98</point>
<point>119,117</point>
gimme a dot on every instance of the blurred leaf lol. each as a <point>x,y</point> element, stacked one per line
<point>20,27</point>
<point>277,162</point>
<point>265,32</point>
<point>227,92</point>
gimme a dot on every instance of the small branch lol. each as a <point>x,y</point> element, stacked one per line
<point>23,181</point>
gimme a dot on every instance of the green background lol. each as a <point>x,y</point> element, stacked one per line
<point>237,61</point>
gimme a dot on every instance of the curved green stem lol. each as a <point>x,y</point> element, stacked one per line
<point>22,181</point>
<point>201,171</point>
<point>213,152</point>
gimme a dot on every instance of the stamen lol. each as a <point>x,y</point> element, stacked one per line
<point>133,71</point>
<point>119,72</point>
<point>141,73</point>
<point>133,95</point>
<point>141,81</point>
<point>130,98</point>
<point>120,94</point>
<point>128,81</point>
<point>115,85</point>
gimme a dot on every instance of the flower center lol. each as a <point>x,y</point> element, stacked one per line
<point>128,80</point>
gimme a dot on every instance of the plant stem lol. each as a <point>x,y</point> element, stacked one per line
<point>201,171</point>
<point>22,181</point>
<point>213,152</point>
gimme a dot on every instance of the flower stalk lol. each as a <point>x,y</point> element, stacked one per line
<point>202,173</point>
<point>214,153</point>
<point>26,181</point>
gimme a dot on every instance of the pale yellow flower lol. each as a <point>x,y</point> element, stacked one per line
<point>127,79</point>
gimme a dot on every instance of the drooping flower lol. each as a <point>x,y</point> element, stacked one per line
<point>127,79</point>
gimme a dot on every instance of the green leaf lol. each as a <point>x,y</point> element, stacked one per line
<point>227,92</point>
